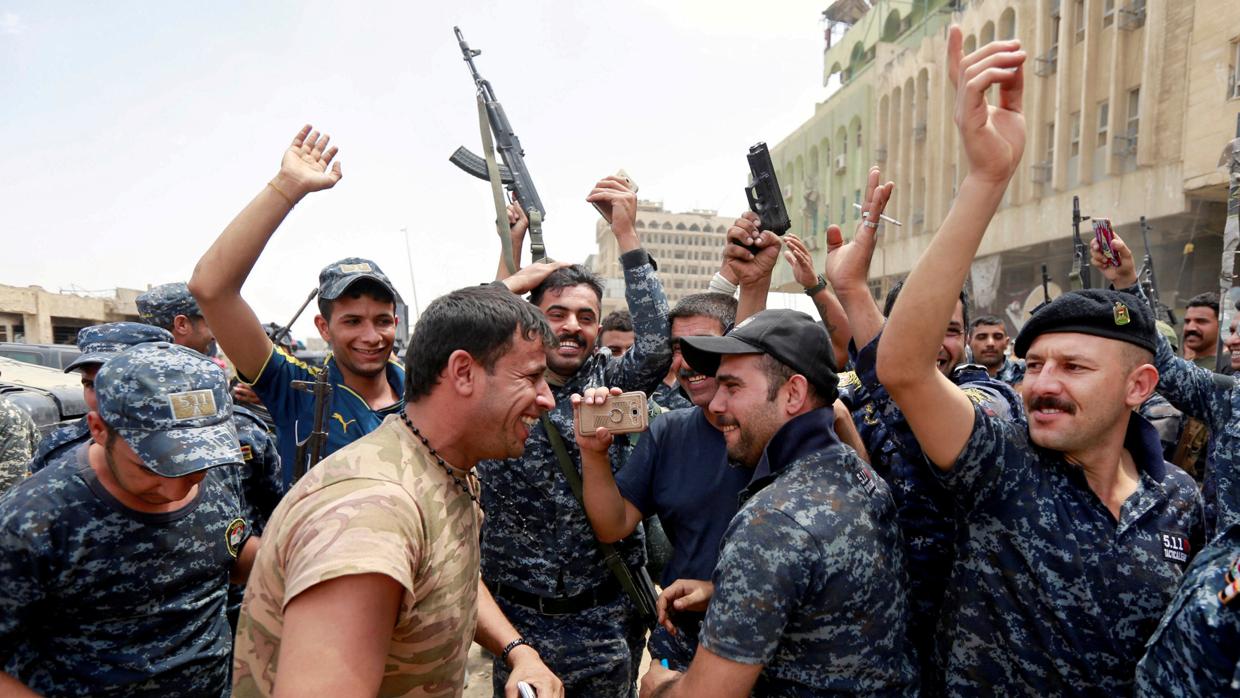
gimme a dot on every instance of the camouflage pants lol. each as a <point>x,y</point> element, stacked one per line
<point>596,652</point>
<point>677,649</point>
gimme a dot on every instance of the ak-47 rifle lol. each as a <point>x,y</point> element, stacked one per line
<point>310,450</point>
<point>281,335</point>
<point>1079,276</point>
<point>1150,281</point>
<point>513,174</point>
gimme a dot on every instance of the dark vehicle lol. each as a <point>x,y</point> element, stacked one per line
<point>50,396</point>
<point>312,358</point>
<point>51,355</point>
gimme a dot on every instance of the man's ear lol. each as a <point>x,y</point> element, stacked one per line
<point>461,372</point>
<point>182,326</point>
<point>98,430</point>
<point>1141,385</point>
<point>796,395</point>
<point>320,324</point>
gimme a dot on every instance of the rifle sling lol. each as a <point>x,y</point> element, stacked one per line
<point>611,556</point>
<point>497,189</point>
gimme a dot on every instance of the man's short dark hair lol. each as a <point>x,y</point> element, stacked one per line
<point>357,289</point>
<point>567,277</point>
<point>1209,299</point>
<point>719,306</point>
<point>778,373</point>
<point>478,319</point>
<point>894,293</point>
<point>988,320</point>
<point>616,321</point>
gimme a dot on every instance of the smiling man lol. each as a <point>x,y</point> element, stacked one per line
<point>357,316</point>
<point>369,583</point>
<point>1074,531</point>
<point>539,556</point>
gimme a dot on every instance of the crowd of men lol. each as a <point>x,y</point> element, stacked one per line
<point>883,500</point>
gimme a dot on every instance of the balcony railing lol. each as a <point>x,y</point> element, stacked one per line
<point>1042,172</point>
<point>1133,16</point>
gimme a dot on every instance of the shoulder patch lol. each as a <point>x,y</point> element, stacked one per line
<point>234,534</point>
<point>977,396</point>
<point>849,378</point>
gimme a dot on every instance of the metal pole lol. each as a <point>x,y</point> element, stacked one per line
<point>413,282</point>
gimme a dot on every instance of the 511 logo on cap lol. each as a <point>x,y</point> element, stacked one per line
<point>192,404</point>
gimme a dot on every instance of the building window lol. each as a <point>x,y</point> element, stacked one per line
<point>1134,112</point>
<point>1108,12</point>
<point>1078,19</point>
<point>858,137</point>
<point>1055,33</point>
<point>1233,91</point>
<point>1104,116</point>
<point>1050,144</point>
<point>857,199</point>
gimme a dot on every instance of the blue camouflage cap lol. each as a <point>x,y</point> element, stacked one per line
<point>171,405</point>
<point>161,305</point>
<point>338,276</point>
<point>101,342</point>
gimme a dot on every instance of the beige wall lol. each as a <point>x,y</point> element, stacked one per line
<point>37,311</point>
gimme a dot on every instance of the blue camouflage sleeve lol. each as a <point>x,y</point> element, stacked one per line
<point>765,567</point>
<point>20,569</point>
<point>644,366</point>
<point>994,460</point>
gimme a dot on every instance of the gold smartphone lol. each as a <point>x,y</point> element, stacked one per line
<point>625,413</point>
<point>628,182</point>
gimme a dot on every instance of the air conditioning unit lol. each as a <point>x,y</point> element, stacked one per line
<point>1042,172</point>
<point>841,163</point>
<point>1133,16</point>
<point>1054,8</point>
<point>919,132</point>
<point>1126,146</point>
<point>1046,63</point>
<point>880,154</point>
<point>919,219</point>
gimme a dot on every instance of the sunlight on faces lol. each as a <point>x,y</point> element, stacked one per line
<point>1080,387</point>
<point>988,343</point>
<point>700,388</point>
<point>511,398</point>
<point>573,313</point>
<point>742,411</point>
<point>361,333</point>
<point>951,351</point>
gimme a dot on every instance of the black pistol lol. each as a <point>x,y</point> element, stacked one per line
<point>765,197</point>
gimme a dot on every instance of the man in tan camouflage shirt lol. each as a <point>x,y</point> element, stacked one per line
<point>368,579</point>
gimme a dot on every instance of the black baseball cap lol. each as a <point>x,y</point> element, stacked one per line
<point>790,336</point>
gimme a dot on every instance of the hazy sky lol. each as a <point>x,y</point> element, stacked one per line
<point>135,131</point>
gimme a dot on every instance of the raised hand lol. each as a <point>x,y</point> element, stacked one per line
<point>748,267</point>
<point>613,195</point>
<point>799,259</point>
<point>530,276</point>
<point>518,223</point>
<point>993,135</point>
<point>848,264</point>
<point>1125,274</point>
<point>601,439</point>
<point>307,165</point>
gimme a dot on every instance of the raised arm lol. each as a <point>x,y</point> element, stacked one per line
<point>218,277</point>
<point>828,306</point>
<point>940,415</point>
<point>517,225</point>
<point>848,264</point>
<point>752,270</point>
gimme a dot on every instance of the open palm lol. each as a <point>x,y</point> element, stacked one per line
<point>308,161</point>
<point>993,135</point>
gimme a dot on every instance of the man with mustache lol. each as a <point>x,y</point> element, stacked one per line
<point>679,471</point>
<point>1075,532</point>
<point>1201,330</point>
<point>988,343</point>
<point>357,315</point>
<point>807,590</point>
<point>539,555</point>
<point>926,510</point>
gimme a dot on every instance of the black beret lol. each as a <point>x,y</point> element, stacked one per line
<point>1095,311</point>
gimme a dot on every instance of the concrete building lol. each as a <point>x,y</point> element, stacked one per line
<point>36,316</point>
<point>1128,105</point>
<point>688,248</point>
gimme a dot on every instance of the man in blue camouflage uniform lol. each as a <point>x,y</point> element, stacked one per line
<point>988,343</point>
<point>926,510</point>
<point>98,344</point>
<point>1075,532</point>
<point>171,307</point>
<point>357,317</point>
<point>808,594</point>
<point>539,555</point>
<point>115,564</point>
<point>18,438</point>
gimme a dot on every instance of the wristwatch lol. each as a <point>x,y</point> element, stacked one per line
<point>813,290</point>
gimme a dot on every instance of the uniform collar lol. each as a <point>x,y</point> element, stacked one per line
<point>392,370</point>
<point>1143,443</point>
<point>803,435</point>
